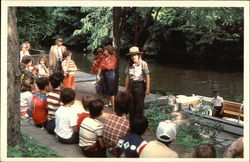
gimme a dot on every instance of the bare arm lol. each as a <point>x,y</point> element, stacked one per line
<point>222,108</point>
<point>126,83</point>
<point>51,57</point>
<point>101,142</point>
<point>98,74</point>
<point>75,128</point>
<point>147,92</point>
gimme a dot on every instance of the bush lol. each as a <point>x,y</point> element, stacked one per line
<point>189,134</point>
<point>156,113</point>
<point>30,148</point>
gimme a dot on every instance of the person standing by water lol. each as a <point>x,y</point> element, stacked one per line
<point>56,56</point>
<point>97,61</point>
<point>137,80</point>
<point>106,74</point>
<point>217,103</point>
<point>69,68</point>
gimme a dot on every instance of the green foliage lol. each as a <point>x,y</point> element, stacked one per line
<point>189,134</point>
<point>34,24</point>
<point>92,27</point>
<point>67,20</point>
<point>205,25</point>
<point>97,24</point>
<point>156,113</point>
<point>30,148</point>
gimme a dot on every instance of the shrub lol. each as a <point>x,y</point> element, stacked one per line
<point>156,113</point>
<point>30,148</point>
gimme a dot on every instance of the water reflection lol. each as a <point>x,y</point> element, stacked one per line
<point>176,80</point>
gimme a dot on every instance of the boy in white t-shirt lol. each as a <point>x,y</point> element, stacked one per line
<point>66,118</point>
<point>217,103</point>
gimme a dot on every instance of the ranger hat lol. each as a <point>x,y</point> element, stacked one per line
<point>134,51</point>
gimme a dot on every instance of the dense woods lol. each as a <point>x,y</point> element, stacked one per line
<point>194,32</point>
<point>179,33</point>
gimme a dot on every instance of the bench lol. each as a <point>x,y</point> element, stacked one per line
<point>234,110</point>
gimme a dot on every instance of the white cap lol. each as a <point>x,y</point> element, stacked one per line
<point>166,128</point>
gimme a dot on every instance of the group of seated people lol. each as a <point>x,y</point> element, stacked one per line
<point>51,109</point>
<point>48,103</point>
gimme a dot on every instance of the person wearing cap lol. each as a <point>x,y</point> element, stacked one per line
<point>166,134</point>
<point>56,54</point>
<point>106,74</point>
<point>137,80</point>
<point>217,103</point>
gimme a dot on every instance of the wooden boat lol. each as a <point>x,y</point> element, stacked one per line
<point>232,118</point>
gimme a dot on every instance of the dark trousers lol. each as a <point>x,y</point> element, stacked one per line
<point>137,90</point>
<point>217,111</point>
<point>50,126</point>
<point>94,150</point>
<point>74,139</point>
<point>42,125</point>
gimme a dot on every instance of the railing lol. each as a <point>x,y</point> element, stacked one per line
<point>35,53</point>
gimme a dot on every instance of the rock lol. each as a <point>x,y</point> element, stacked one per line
<point>227,143</point>
<point>218,146</point>
<point>220,140</point>
<point>205,136</point>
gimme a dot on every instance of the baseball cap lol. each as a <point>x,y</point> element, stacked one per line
<point>166,128</point>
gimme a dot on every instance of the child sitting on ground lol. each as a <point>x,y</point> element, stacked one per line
<point>117,125</point>
<point>26,96</point>
<point>91,131</point>
<point>53,100</point>
<point>69,68</point>
<point>205,151</point>
<point>26,66</point>
<point>82,116</point>
<point>66,118</point>
<point>39,102</point>
<point>159,148</point>
<point>132,144</point>
<point>43,71</point>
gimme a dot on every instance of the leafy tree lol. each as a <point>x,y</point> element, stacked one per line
<point>67,20</point>
<point>97,26</point>
<point>34,24</point>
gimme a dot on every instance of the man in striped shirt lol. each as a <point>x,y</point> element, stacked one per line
<point>53,100</point>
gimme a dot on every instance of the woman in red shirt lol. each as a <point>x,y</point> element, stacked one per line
<point>106,74</point>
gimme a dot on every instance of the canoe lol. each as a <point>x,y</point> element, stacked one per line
<point>232,118</point>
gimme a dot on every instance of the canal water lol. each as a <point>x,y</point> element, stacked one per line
<point>181,81</point>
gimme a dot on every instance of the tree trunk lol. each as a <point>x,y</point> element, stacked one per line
<point>152,30</point>
<point>13,72</point>
<point>116,41</point>
<point>140,28</point>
